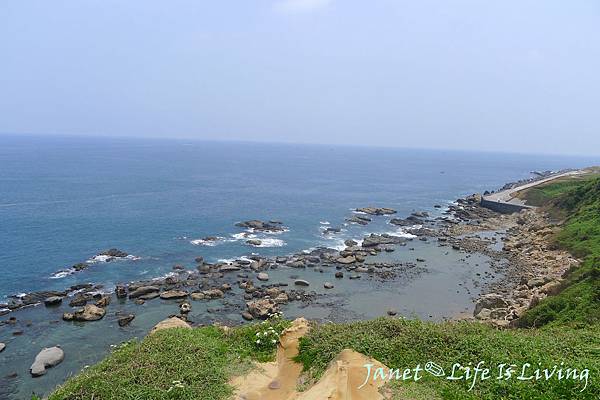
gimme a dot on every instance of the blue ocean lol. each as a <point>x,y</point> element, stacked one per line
<point>65,199</point>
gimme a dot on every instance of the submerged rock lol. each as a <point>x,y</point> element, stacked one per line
<point>376,210</point>
<point>247,316</point>
<point>263,276</point>
<point>143,291</point>
<point>271,226</point>
<point>114,253</point>
<point>124,320</point>
<point>48,357</point>
<point>53,301</point>
<point>173,294</point>
<point>88,313</point>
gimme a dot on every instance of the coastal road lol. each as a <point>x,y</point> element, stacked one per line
<point>507,196</point>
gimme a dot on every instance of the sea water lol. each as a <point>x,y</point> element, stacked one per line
<point>65,199</point>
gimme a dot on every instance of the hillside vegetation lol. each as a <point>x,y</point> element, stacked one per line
<point>578,304</point>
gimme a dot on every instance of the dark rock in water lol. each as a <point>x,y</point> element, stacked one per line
<point>350,243</point>
<point>346,260</point>
<point>376,210</point>
<point>357,219</point>
<point>68,316</point>
<point>171,280</point>
<point>48,357</point>
<point>2,347</point>
<point>121,291</point>
<point>80,266</point>
<point>116,253</point>
<point>199,260</point>
<point>420,214</point>
<point>328,285</point>
<point>52,301</point>
<point>296,264</point>
<point>262,225</point>
<point>247,316</point>
<point>354,276</point>
<point>33,298</point>
<point>185,308</point>
<point>88,313</point>
<point>262,308</point>
<point>229,268</point>
<point>401,222</point>
<point>339,274</point>
<point>173,294</point>
<point>301,282</point>
<point>149,296</point>
<point>104,301</point>
<point>124,320</point>
<point>262,276</point>
<point>330,230</point>
<point>142,291</point>
<point>374,240</point>
<point>254,242</point>
<point>392,312</point>
<point>81,286</point>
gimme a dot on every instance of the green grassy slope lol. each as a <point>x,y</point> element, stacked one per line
<point>185,364</point>
<point>404,344</point>
<point>579,303</point>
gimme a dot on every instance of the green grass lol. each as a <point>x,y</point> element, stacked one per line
<point>543,194</point>
<point>405,343</point>
<point>578,305</point>
<point>171,364</point>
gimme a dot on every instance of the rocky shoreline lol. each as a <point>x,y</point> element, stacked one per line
<point>526,268</point>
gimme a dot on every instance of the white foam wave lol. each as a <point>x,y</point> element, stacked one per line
<point>325,222</point>
<point>232,260</point>
<point>401,233</point>
<point>105,258</point>
<point>269,242</point>
<point>266,232</point>
<point>204,242</point>
<point>62,274</point>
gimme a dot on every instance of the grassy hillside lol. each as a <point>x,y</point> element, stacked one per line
<point>404,344</point>
<point>545,193</point>
<point>186,364</point>
<point>579,303</point>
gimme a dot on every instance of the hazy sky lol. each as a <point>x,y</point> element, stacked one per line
<point>495,75</point>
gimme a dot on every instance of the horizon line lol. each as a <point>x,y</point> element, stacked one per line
<point>296,143</point>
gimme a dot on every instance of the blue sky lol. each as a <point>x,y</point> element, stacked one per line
<point>491,75</point>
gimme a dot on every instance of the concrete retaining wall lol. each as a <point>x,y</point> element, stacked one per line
<point>503,208</point>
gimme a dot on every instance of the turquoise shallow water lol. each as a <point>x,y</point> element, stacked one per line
<point>62,200</point>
